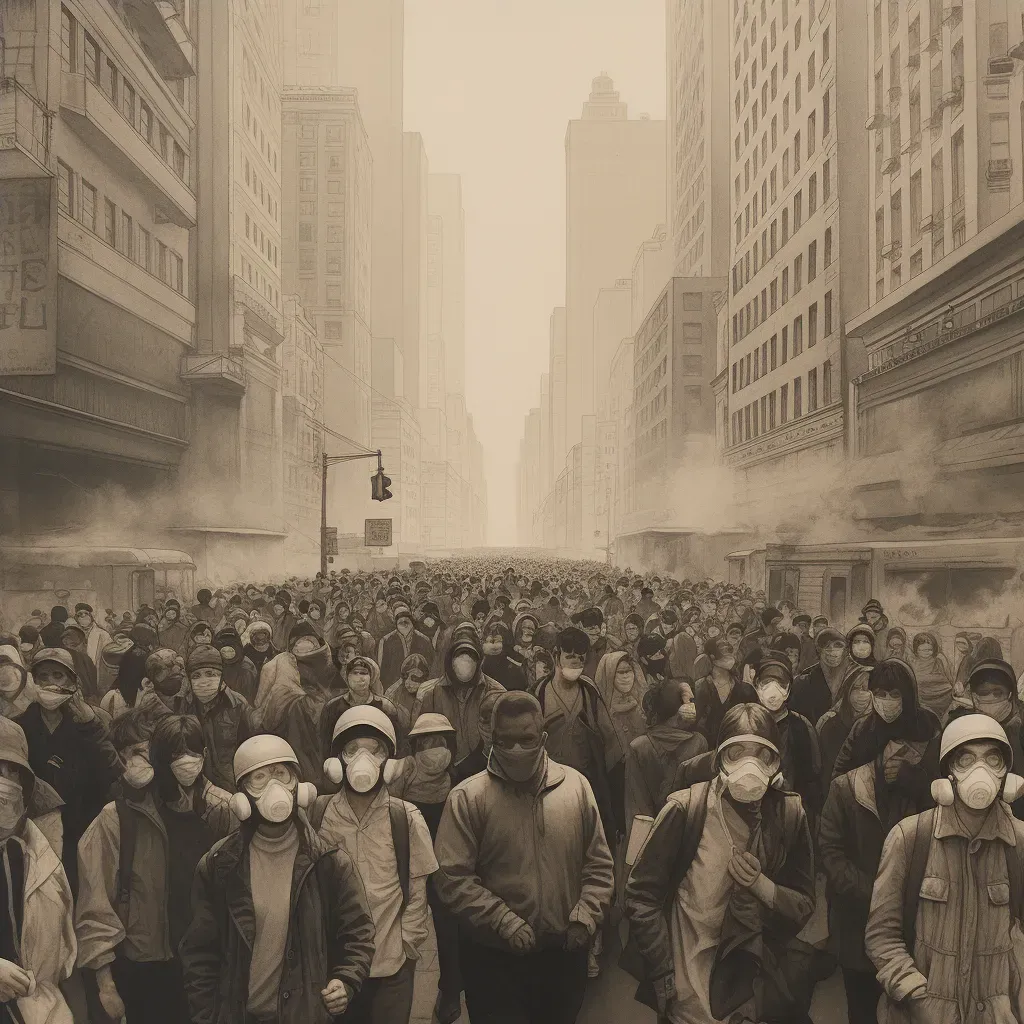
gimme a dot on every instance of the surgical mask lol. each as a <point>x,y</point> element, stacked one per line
<point>773,695</point>
<point>978,787</point>
<point>860,701</point>
<point>186,769</point>
<point>412,685</point>
<point>10,680</point>
<point>227,653</point>
<point>363,771</point>
<point>12,804</point>
<point>464,667</point>
<point>307,645</point>
<point>434,760</point>
<point>624,682</point>
<point>747,781</point>
<point>519,763</point>
<point>138,772</point>
<point>572,674</point>
<point>995,707</point>
<point>205,689</point>
<point>276,802</point>
<point>51,700</point>
<point>888,709</point>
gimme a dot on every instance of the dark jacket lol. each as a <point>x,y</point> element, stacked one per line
<point>711,709</point>
<point>682,656</point>
<point>227,722</point>
<point>241,676</point>
<point>330,932</point>
<point>651,765</point>
<point>811,695</point>
<point>392,653</point>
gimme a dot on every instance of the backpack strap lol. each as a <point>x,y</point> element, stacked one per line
<point>1015,876</point>
<point>317,811</point>
<point>696,815</point>
<point>920,847</point>
<point>400,839</point>
<point>128,826</point>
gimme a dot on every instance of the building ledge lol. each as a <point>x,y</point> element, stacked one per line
<point>24,133</point>
<point>161,28</point>
<point>260,316</point>
<point>216,373</point>
<point>813,429</point>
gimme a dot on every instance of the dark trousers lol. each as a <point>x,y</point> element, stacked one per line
<point>384,1000</point>
<point>543,987</point>
<point>862,995</point>
<point>152,993</point>
<point>446,928</point>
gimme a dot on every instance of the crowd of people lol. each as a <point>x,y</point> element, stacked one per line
<point>252,807</point>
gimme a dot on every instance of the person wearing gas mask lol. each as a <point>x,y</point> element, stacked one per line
<point>137,861</point>
<point>239,674</point>
<point>37,941</point>
<point>716,693</point>
<point>69,748</point>
<point>459,691</point>
<point>800,764</point>
<point>722,887</point>
<point>524,936</point>
<point>258,646</point>
<point>280,929</point>
<point>818,688</point>
<point>943,931</point>
<point>363,690</point>
<point>389,843</point>
<point>226,718</point>
<point>862,807</point>
<point>896,714</point>
<point>404,640</point>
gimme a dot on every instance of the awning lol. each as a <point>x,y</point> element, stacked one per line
<point>1000,446</point>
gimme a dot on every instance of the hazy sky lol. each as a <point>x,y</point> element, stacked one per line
<point>491,85</point>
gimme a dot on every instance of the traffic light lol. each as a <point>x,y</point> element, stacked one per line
<point>379,484</point>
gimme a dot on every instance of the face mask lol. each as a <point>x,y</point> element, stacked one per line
<point>50,700</point>
<point>227,653</point>
<point>773,695</point>
<point>519,764</point>
<point>276,802</point>
<point>572,674</point>
<point>138,772</point>
<point>860,701</point>
<point>861,651</point>
<point>186,769</point>
<point>359,681</point>
<point>978,787</point>
<point>205,689</point>
<point>413,685</point>
<point>464,667</point>
<point>305,646</point>
<point>12,804</point>
<point>10,680</point>
<point>747,781</point>
<point>435,760</point>
<point>404,627</point>
<point>363,771</point>
<point>994,707</point>
<point>888,709</point>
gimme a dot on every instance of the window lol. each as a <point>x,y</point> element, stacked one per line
<point>334,186</point>
<point>811,130</point>
<point>109,82</point>
<point>127,236</point>
<point>796,34</point>
<point>165,144</point>
<point>68,40</point>
<point>334,294</point>
<point>812,261</point>
<point>92,59</point>
<point>177,273</point>
<point>798,211</point>
<point>896,218</point>
<point>774,291</point>
<point>734,378</point>
<point>771,411</point>
<point>307,231</point>
<point>145,249</point>
<point>812,194</point>
<point>812,389</point>
<point>128,102</point>
<point>797,97</point>
<point>161,260</point>
<point>798,274</point>
<point>784,403</point>
<point>307,184</point>
<point>87,215</point>
<point>797,398</point>
<point>812,325</point>
<point>307,261</point>
<point>179,161</point>
<point>916,208</point>
<point>828,314</point>
<point>828,247</point>
<point>826,52</point>
<point>785,114</point>
<point>826,113</point>
<point>826,182</point>
<point>798,336</point>
<point>785,285</point>
<point>999,137</point>
<point>796,152</point>
<point>785,345</point>
<point>811,72</point>
<point>879,239</point>
<point>110,222</point>
<point>335,233</point>
<point>774,237</point>
<point>146,123</point>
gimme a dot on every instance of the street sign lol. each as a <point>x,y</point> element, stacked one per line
<point>378,533</point>
<point>330,540</point>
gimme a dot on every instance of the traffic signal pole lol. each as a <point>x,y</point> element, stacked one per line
<point>333,460</point>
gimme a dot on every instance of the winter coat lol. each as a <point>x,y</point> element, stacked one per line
<point>711,709</point>
<point>174,635</point>
<point>227,721</point>
<point>651,765</point>
<point>963,921</point>
<point>48,946</point>
<point>491,830</point>
<point>330,932</point>
<point>393,652</point>
<point>241,676</point>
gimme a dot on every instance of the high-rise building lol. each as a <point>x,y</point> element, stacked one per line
<point>557,374</point>
<point>97,159</point>
<point>444,196</point>
<point>414,268</point>
<point>652,267</point>
<point>698,33</point>
<point>612,323</point>
<point>615,195</point>
<point>310,43</point>
<point>799,208</point>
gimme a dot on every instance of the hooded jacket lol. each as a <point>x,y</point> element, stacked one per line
<point>258,658</point>
<point>625,709</point>
<point>652,761</point>
<point>439,696</point>
<point>395,648</point>
<point>239,673</point>
<point>330,932</point>
<point>507,668</point>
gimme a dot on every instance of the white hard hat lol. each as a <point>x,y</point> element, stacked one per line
<point>431,724</point>
<point>366,715</point>
<point>969,729</point>
<point>259,751</point>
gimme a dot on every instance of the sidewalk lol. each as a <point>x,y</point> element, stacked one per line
<point>425,992</point>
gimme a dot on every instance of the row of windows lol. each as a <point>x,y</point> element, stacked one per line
<point>101,70</point>
<point>261,190</point>
<point>259,281</point>
<point>254,234</point>
<point>334,265</point>
<point>766,358</point>
<point>79,198</point>
<point>267,151</point>
<point>775,409</point>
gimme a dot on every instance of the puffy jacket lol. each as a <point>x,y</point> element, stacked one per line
<point>330,932</point>
<point>227,722</point>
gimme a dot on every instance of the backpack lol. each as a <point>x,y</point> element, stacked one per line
<point>920,847</point>
<point>399,836</point>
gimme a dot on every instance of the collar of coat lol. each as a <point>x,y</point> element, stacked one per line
<point>554,774</point>
<point>863,783</point>
<point>41,861</point>
<point>998,825</point>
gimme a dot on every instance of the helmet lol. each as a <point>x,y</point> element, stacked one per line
<point>369,716</point>
<point>14,745</point>
<point>431,724</point>
<point>259,751</point>
<point>968,729</point>
<point>58,655</point>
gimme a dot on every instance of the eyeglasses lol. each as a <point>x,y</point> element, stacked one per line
<point>260,778</point>
<point>967,759</point>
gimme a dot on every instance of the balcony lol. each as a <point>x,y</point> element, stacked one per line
<point>90,112</point>
<point>934,44</point>
<point>164,35</point>
<point>259,315</point>
<point>216,374</point>
<point>891,166</point>
<point>875,121</point>
<point>927,223</point>
<point>24,133</point>
<point>1001,66</point>
<point>999,171</point>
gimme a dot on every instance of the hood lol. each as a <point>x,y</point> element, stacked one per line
<point>264,627</point>
<point>229,638</point>
<point>375,684</point>
<point>463,646</point>
<point>280,687</point>
<point>430,610</point>
<point>604,678</point>
<point>518,621</point>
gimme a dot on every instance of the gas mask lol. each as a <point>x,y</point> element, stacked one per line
<point>361,770</point>
<point>275,803</point>
<point>747,781</point>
